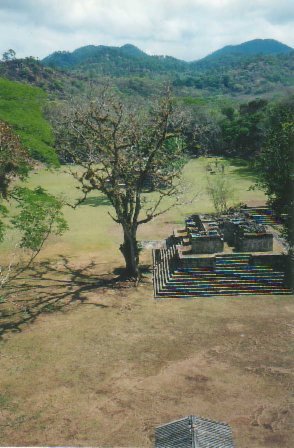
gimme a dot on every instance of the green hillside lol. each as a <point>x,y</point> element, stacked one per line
<point>257,67</point>
<point>21,106</point>
<point>116,61</point>
<point>241,74</point>
<point>251,48</point>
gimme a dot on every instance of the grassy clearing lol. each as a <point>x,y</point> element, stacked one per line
<point>89,362</point>
<point>92,230</point>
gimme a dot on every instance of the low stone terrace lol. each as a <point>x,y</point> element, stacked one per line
<point>238,232</point>
<point>223,255</point>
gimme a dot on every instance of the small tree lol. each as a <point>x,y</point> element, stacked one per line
<point>8,55</point>
<point>38,213</point>
<point>119,150</point>
<point>219,187</point>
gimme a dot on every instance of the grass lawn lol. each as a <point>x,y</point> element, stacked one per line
<point>92,231</point>
<point>89,362</point>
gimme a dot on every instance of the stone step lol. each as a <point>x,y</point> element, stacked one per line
<point>249,268</point>
<point>228,279</point>
<point>224,280</point>
<point>221,283</point>
<point>232,260</point>
<point>222,287</point>
<point>234,273</point>
<point>240,273</point>
<point>233,255</point>
<point>181,295</point>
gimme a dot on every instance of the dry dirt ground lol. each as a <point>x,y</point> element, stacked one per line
<point>87,361</point>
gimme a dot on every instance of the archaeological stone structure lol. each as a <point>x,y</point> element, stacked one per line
<point>234,253</point>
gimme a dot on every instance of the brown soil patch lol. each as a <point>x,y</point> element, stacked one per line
<point>94,362</point>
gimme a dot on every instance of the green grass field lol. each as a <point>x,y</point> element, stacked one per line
<point>92,230</point>
<point>89,362</point>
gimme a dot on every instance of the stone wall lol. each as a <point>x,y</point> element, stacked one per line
<point>192,262</point>
<point>252,242</point>
<point>207,244</point>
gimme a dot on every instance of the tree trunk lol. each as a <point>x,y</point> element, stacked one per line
<point>129,249</point>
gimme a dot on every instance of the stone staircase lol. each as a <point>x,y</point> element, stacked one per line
<point>264,217</point>
<point>233,274</point>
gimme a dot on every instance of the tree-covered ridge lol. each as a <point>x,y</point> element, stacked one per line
<point>252,47</point>
<point>253,68</point>
<point>136,73</point>
<point>114,60</point>
<point>31,71</point>
<point>245,75</point>
<point>128,57</point>
<point>21,107</point>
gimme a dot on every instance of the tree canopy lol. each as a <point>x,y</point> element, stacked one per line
<point>121,151</point>
<point>276,162</point>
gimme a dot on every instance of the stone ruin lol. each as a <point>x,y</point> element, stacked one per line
<point>246,235</point>
<point>221,255</point>
<point>206,234</point>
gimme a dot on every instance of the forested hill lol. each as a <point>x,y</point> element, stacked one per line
<point>255,46</point>
<point>114,60</point>
<point>32,71</point>
<point>129,58</point>
<point>246,49</point>
<point>254,68</point>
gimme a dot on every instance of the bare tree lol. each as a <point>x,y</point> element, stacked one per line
<point>120,150</point>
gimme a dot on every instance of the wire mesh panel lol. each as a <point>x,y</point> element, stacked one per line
<point>177,434</point>
<point>194,432</point>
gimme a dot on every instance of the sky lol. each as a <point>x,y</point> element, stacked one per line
<point>185,29</point>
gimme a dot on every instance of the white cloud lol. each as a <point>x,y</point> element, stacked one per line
<point>187,29</point>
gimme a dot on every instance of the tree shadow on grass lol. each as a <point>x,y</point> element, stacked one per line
<point>96,201</point>
<point>144,269</point>
<point>48,288</point>
<point>242,168</point>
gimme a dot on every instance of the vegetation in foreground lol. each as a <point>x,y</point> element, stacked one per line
<point>37,213</point>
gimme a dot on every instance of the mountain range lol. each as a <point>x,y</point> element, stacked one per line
<point>260,67</point>
<point>128,53</point>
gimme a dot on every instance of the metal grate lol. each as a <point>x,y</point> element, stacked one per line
<point>194,432</point>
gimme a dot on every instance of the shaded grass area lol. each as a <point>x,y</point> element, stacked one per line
<point>96,201</point>
<point>51,286</point>
<point>47,288</point>
<point>242,168</point>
